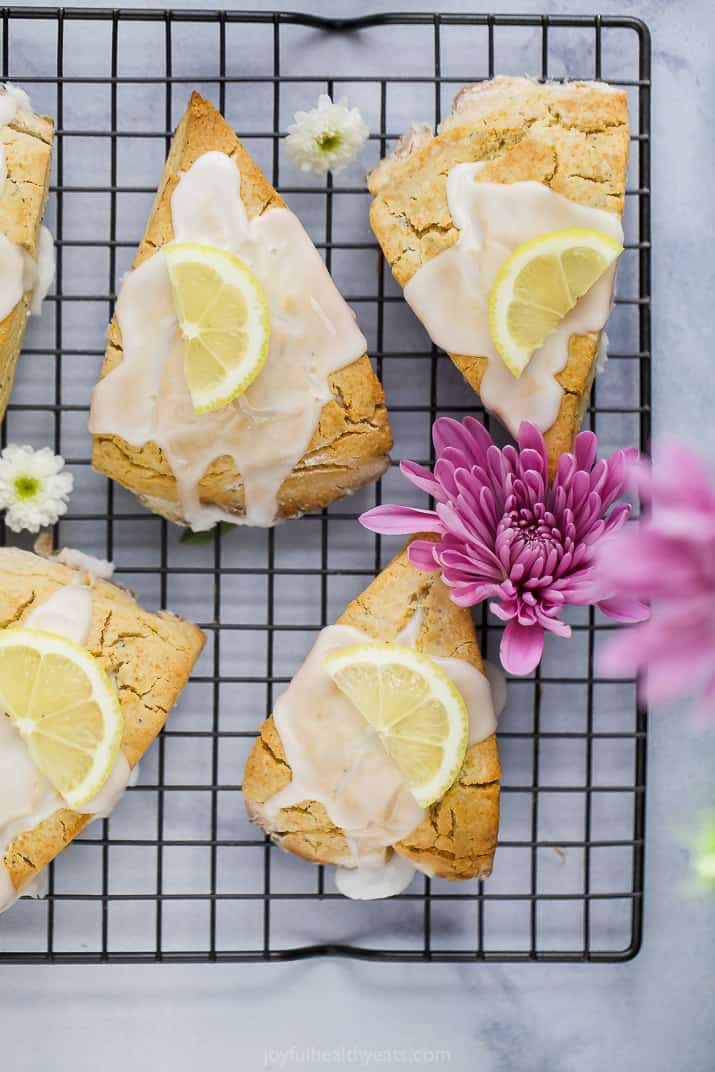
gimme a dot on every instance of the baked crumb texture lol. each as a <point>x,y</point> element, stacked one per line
<point>352,441</point>
<point>28,153</point>
<point>150,657</point>
<point>573,137</point>
<point>458,836</point>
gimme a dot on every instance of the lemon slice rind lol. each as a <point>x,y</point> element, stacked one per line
<point>544,306</point>
<point>46,731</point>
<point>411,726</point>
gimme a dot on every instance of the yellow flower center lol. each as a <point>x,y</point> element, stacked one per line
<point>26,487</point>
<point>328,141</point>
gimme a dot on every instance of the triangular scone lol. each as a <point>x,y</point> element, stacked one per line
<point>572,137</point>
<point>458,836</point>
<point>351,443</point>
<point>27,145</point>
<point>148,656</point>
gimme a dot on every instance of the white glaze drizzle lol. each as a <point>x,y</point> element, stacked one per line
<point>602,353</point>
<point>95,567</point>
<point>336,759</point>
<point>450,293</point>
<point>497,683</point>
<point>267,430</point>
<point>26,797</point>
<point>19,271</point>
<point>365,883</point>
<point>13,275</point>
<point>370,881</point>
<point>43,270</point>
<point>13,99</point>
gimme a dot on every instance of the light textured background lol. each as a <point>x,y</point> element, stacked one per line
<point>654,1013</point>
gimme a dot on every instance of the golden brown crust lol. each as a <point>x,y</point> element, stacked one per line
<point>574,138</point>
<point>27,142</point>
<point>458,836</point>
<point>149,655</point>
<point>352,441</point>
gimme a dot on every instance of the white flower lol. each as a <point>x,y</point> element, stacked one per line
<point>327,137</point>
<point>33,489</point>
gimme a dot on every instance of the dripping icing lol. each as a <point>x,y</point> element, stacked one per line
<point>450,293</point>
<point>337,760</point>
<point>21,273</point>
<point>26,797</point>
<point>267,430</point>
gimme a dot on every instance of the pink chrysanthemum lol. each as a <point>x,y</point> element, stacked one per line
<point>507,534</point>
<point>669,560</point>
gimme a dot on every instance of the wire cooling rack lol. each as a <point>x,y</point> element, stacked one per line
<point>178,873</point>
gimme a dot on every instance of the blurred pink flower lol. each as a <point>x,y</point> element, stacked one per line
<point>668,560</point>
<point>506,533</point>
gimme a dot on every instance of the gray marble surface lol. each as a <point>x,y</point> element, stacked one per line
<point>653,1013</point>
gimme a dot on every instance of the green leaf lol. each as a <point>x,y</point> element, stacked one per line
<point>207,536</point>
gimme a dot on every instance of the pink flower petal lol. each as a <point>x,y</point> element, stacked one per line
<point>657,642</point>
<point>521,647</point>
<point>468,595</point>
<point>555,626</point>
<point>668,679</point>
<point>421,554</point>
<point>624,609</point>
<point>584,448</point>
<point>444,473</point>
<point>502,612</point>
<point>679,476</point>
<point>679,522</point>
<point>481,440</point>
<point>530,438</point>
<point>402,520</point>
<point>422,479</point>
<point>447,432</point>
<point>624,653</point>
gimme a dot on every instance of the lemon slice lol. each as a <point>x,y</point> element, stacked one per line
<point>223,319</point>
<point>65,708</point>
<point>418,713</point>
<point>539,284</point>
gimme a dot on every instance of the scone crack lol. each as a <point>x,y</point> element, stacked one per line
<point>423,232</point>
<point>103,629</point>
<point>142,695</point>
<point>313,811</point>
<point>558,118</point>
<point>354,427</point>
<point>459,650</point>
<point>465,781</point>
<point>315,461</point>
<point>20,128</point>
<point>19,611</point>
<point>270,202</point>
<point>280,760</point>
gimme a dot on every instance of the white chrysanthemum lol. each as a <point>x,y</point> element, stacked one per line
<point>33,489</point>
<point>327,137</point>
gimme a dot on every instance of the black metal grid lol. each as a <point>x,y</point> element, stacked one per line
<point>564,779</point>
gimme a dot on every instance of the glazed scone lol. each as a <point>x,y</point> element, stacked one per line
<point>457,837</point>
<point>27,146</point>
<point>352,439</point>
<point>148,656</point>
<point>573,138</point>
